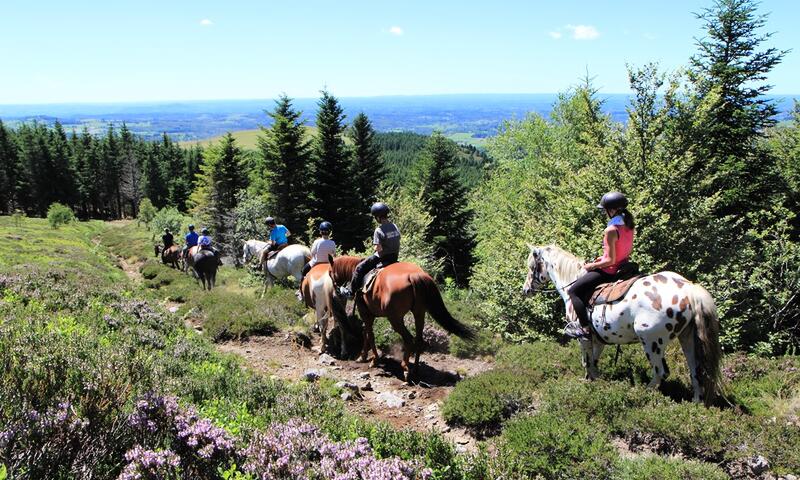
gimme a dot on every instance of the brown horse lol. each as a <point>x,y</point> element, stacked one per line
<point>169,256</point>
<point>398,289</point>
<point>318,293</point>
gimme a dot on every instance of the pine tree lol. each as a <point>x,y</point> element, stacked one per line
<point>9,168</point>
<point>154,186</point>
<point>282,166</point>
<point>110,161</point>
<point>61,177</point>
<point>221,178</point>
<point>446,201</point>
<point>36,191</point>
<point>729,74</point>
<point>368,172</point>
<point>130,171</point>
<point>335,194</point>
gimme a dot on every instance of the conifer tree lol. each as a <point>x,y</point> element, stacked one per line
<point>130,171</point>
<point>61,177</point>
<point>110,194</point>
<point>8,170</point>
<point>368,172</point>
<point>221,178</point>
<point>282,167</point>
<point>335,194</point>
<point>446,201</point>
<point>729,74</point>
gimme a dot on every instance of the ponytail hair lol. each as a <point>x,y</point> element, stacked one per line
<point>627,217</point>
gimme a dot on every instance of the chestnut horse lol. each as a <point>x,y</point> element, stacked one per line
<point>169,255</point>
<point>398,289</point>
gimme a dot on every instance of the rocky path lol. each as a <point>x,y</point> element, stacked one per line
<point>377,393</point>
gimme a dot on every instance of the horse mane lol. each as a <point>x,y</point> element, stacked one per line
<point>343,266</point>
<point>566,265</point>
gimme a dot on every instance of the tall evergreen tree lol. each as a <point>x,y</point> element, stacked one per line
<point>729,75</point>
<point>110,161</point>
<point>335,195</point>
<point>446,201</point>
<point>8,170</point>
<point>61,177</point>
<point>368,172</point>
<point>130,171</point>
<point>36,192</point>
<point>282,167</point>
<point>154,186</point>
<point>221,178</point>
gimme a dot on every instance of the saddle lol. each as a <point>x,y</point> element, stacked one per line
<point>272,253</point>
<point>611,292</point>
<point>369,279</point>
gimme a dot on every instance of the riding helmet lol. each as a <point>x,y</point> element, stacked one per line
<point>613,200</point>
<point>166,230</point>
<point>204,231</point>
<point>191,226</point>
<point>270,221</point>
<point>379,209</point>
<point>325,227</point>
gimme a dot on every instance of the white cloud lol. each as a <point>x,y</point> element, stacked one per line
<point>555,35</point>
<point>396,30</point>
<point>206,22</point>
<point>650,36</point>
<point>583,32</point>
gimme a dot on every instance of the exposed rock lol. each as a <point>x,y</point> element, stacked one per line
<point>173,309</point>
<point>347,396</point>
<point>367,386</point>
<point>363,375</point>
<point>348,386</point>
<point>789,476</point>
<point>391,400</point>
<point>326,359</point>
<point>758,464</point>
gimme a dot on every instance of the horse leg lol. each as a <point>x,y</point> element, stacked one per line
<point>686,338</point>
<point>654,351</point>
<point>322,323</point>
<point>368,336</point>
<point>408,341</point>
<point>597,349</point>
<point>419,326</point>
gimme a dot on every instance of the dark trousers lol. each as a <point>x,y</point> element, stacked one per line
<point>582,289</point>
<point>369,263</point>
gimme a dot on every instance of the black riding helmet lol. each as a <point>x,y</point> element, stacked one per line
<point>325,227</point>
<point>613,200</point>
<point>204,231</point>
<point>270,221</point>
<point>379,209</point>
<point>166,230</point>
<point>191,227</point>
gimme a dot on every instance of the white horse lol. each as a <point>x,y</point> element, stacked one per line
<point>252,249</point>
<point>288,262</point>
<point>657,309</point>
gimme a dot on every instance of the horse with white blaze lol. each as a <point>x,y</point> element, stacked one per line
<point>657,309</point>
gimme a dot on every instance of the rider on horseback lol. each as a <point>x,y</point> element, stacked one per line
<point>617,246</point>
<point>204,240</point>
<point>168,239</point>
<point>278,238</point>
<point>191,240</point>
<point>386,240</point>
<point>320,250</point>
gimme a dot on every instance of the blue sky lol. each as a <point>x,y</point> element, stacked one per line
<point>115,50</point>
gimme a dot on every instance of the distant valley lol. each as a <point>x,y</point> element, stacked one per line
<point>463,118</point>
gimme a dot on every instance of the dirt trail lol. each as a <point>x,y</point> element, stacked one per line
<point>381,393</point>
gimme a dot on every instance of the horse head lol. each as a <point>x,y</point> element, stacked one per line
<point>157,249</point>
<point>537,270</point>
<point>246,253</point>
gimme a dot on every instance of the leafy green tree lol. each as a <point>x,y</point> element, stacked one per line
<point>368,172</point>
<point>146,211</point>
<point>446,201</point>
<point>335,196</point>
<point>59,214</point>
<point>221,178</point>
<point>282,166</point>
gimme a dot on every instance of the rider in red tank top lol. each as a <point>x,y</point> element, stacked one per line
<point>617,246</point>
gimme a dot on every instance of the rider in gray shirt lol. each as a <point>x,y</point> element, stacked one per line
<point>386,240</point>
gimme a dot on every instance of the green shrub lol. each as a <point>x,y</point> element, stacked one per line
<point>541,360</point>
<point>146,211</point>
<point>555,446</point>
<point>59,214</point>
<point>228,315</point>
<point>762,386</point>
<point>660,468</point>
<point>171,218</point>
<point>484,401</point>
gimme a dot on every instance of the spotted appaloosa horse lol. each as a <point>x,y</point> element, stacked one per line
<point>398,289</point>
<point>657,309</point>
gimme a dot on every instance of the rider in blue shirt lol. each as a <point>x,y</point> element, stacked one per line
<point>191,240</point>
<point>278,237</point>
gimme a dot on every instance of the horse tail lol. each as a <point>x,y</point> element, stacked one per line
<point>426,290</point>
<point>708,352</point>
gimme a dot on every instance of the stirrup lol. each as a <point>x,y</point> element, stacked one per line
<point>576,330</point>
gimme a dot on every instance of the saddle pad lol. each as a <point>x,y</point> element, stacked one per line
<point>369,279</point>
<point>611,292</point>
